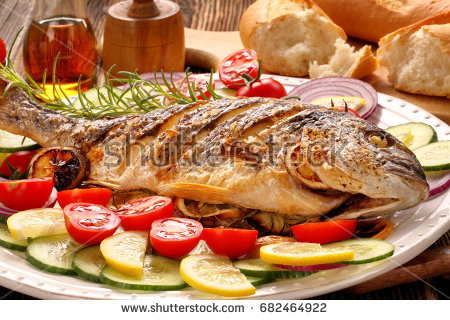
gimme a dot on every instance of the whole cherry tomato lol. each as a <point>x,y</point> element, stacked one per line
<point>20,161</point>
<point>2,52</point>
<point>268,88</point>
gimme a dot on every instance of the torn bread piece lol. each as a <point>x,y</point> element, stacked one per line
<point>345,62</point>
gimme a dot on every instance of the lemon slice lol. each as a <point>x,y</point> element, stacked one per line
<point>303,254</point>
<point>36,223</point>
<point>403,134</point>
<point>215,274</point>
<point>354,103</point>
<point>125,251</point>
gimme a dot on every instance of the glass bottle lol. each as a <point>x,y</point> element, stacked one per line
<point>61,26</point>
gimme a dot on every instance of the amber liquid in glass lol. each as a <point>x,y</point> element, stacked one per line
<point>74,39</point>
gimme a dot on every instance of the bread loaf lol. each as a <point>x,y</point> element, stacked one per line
<point>289,34</point>
<point>346,62</point>
<point>372,19</point>
<point>418,56</point>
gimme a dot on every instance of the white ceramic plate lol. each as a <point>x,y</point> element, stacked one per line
<point>417,229</point>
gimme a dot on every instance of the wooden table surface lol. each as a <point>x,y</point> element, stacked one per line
<point>224,15</point>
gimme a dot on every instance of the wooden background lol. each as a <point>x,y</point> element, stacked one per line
<point>224,15</point>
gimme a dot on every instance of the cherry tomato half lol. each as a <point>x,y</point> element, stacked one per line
<point>2,52</point>
<point>232,67</point>
<point>201,83</point>
<point>140,214</point>
<point>175,237</point>
<point>231,242</point>
<point>324,232</point>
<point>92,195</point>
<point>89,223</point>
<point>268,88</point>
<point>25,194</point>
<point>349,110</point>
<point>19,160</point>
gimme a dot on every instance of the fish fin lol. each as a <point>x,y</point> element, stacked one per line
<point>194,191</point>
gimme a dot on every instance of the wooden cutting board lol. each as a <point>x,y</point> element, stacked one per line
<point>207,48</point>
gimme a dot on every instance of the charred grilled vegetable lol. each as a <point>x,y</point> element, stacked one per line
<point>67,166</point>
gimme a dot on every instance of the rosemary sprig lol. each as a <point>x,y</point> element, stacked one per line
<point>137,96</point>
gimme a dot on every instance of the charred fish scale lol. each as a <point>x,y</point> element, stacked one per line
<point>274,156</point>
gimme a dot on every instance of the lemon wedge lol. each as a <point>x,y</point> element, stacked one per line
<point>354,103</point>
<point>215,274</point>
<point>36,223</point>
<point>403,134</point>
<point>303,254</point>
<point>125,251</point>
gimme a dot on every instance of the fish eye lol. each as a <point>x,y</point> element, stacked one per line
<point>379,140</point>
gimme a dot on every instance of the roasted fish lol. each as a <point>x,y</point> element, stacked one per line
<point>277,157</point>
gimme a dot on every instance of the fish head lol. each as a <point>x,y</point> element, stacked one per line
<point>339,152</point>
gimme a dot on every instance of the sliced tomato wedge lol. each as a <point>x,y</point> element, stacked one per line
<point>200,82</point>
<point>233,66</point>
<point>140,214</point>
<point>324,232</point>
<point>89,223</point>
<point>25,194</point>
<point>232,242</point>
<point>92,195</point>
<point>175,237</point>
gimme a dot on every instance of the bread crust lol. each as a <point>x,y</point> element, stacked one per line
<point>372,19</point>
<point>438,26</point>
<point>265,11</point>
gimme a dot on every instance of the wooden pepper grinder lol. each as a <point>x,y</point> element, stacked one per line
<point>143,35</point>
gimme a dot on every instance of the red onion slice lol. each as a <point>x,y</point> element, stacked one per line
<point>338,86</point>
<point>438,184</point>
<point>150,76</point>
<point>317,267</point>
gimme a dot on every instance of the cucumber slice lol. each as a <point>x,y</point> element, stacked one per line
<point>256,282</point>
<point>434,156</point>
<point>89,263</point>
<point>7,240</point>
<point>261,269</point>
<point>413,134</point>
<point>93,96</point>
<point>160,274</point>
<point>366,250</point>
<point>10,143</point>
<point>53,254</point>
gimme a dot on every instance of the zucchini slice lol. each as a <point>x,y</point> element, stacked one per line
<point>261,269</point>
<point>366,250</point>
<point>88,263</point>
<point>7,240</point>
<point>159,274</point>
<point>434,156</point>
<point>413,134</point>
<point>53,254</point>
<point>10,143</point>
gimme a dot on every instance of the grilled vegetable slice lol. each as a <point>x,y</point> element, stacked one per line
<point>215,274</point>
<point>66,165</point>
<point>434,156</point>
<point>259,268</point>
<point>88,263</point>
<point>53,254</point>
<point>8,241</point>
<point>159,274</point>
<point>366,250</point>
<point>413,134</point>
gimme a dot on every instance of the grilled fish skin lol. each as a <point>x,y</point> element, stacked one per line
<point>275,156</point>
